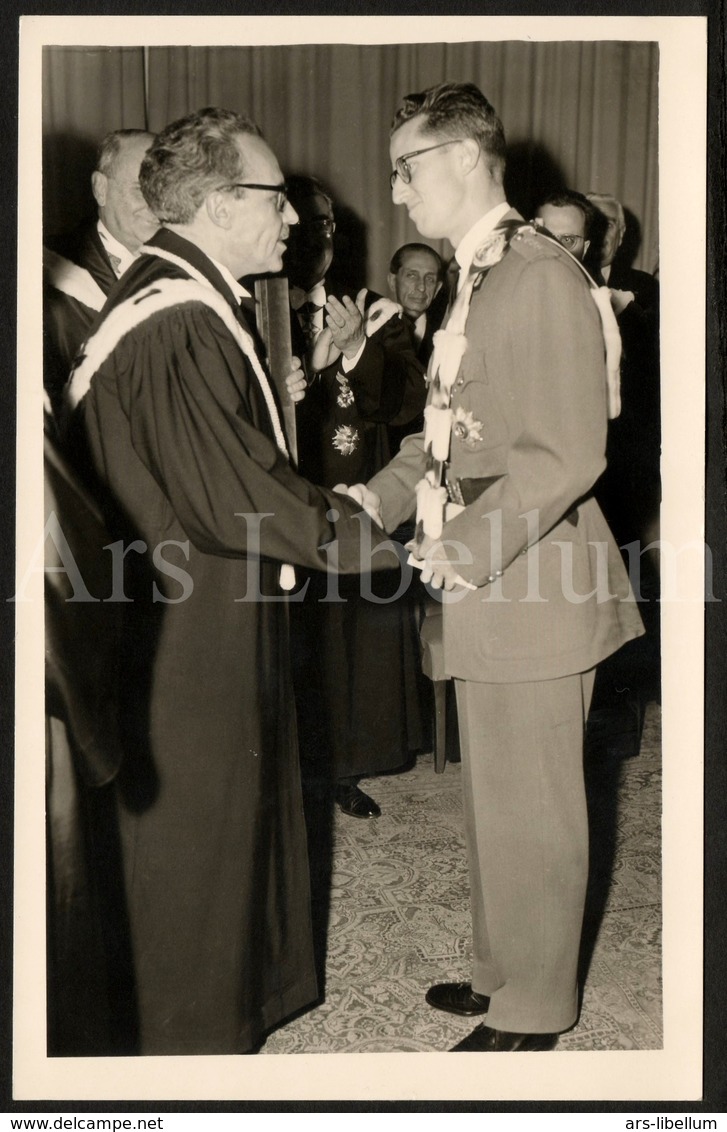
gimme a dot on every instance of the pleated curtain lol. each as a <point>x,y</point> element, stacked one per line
<point>576,114</point>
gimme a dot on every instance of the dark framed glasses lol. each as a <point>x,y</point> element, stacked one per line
<point>281,190</point>
<point>402,168</point>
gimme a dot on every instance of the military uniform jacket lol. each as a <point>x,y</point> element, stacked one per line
<point>528,443</point>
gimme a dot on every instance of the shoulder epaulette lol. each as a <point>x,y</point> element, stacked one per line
<point>531,244</point>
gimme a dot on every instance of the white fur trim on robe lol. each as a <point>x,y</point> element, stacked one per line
<point>72,280</point>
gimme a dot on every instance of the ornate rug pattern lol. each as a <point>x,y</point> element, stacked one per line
<point>397,914</point>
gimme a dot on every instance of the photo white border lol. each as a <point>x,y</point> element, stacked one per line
<point>673,1073</point>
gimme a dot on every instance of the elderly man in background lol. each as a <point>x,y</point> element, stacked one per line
<point>502,477</point>
<point>415,282</point>
<point>415,278</point>
<point>81,267</point>
<point>177,427</point>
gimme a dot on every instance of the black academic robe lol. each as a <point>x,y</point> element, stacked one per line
<point>178,438</point>
<point>362,699</point>
<point>67,319</point>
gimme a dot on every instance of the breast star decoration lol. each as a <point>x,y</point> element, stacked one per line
<point>466,428</point>
<point>345,440</point>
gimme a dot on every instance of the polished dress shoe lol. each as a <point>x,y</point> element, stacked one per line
<point>355,803</point>
<point>457,998</point>
<point>484,1039</point>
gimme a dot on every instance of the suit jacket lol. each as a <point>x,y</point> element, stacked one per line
<point>342,437</point>
<point>423,350</point>
<point>530,405</point>
<point>630,489</point>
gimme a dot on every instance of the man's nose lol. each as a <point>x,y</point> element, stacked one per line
<point>399,190</point>
<point>290,216</point>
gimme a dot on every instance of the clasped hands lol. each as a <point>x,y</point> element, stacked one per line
<point>343,333</point>
<point>437,569</point>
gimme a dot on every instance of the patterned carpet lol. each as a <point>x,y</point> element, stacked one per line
<point>392,912</point>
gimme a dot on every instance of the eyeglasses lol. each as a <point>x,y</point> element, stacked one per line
<point>321,224</point>
<point>402,163</point>
<point>281,190</point>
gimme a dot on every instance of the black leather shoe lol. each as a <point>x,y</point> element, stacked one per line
<point>484,1039</point>
<point>457,998</point>
<point>355,803</point>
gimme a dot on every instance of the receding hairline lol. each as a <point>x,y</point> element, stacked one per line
<point>112,144</point>
<point>407,250</point>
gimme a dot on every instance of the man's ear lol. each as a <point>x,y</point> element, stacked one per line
<point>437,289</point>
<point>469,154</point>
<point>218,206</point>
<point>586,246</point>
<point>391,280</point>
<point>99,187</point>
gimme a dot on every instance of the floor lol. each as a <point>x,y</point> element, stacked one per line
<point>392,912</point>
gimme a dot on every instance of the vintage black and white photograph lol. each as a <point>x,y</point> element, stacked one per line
<point>367,538</point>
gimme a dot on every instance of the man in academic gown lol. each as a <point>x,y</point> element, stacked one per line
<point>81,267</point>
<point>177,426</point>
<point>538,594</point>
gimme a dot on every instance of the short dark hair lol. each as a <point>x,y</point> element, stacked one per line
<point>110,146</point>
<point>397,260</point>
<point>570,198</point>
<point>301,186</point>
<point>457,110</point>
<point>190,158</point>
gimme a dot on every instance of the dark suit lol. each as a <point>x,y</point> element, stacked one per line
<point>630,490</point>
<point>629,494</point>
<point>423,350</point>
<point>531,393</point>
<point>388,389</point>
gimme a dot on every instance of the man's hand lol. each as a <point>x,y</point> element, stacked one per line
<point>345,320</point>
<point>295,381</point>
<point>323,353</point>
<point>437,569</point>
<point>369,500</point>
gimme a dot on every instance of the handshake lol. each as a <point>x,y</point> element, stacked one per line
<point>369,500</point>
<point>429,555</point>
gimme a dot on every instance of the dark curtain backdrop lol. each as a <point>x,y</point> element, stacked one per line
<point>581,114</point>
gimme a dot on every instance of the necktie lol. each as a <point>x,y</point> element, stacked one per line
<point>115,263</point>
<point>307,314</point>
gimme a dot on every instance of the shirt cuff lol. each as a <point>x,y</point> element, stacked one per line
<point>349,363</point>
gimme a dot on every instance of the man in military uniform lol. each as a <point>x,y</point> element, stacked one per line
<point>514,441</point>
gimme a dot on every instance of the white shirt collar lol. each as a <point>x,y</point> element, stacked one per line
<point>316,295</point>
<point>115,248</point>
<point>420,326</point>
<point>237,288</point>
<point>470,242</point>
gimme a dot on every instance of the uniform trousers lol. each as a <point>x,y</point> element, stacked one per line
<point>526,831</point>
